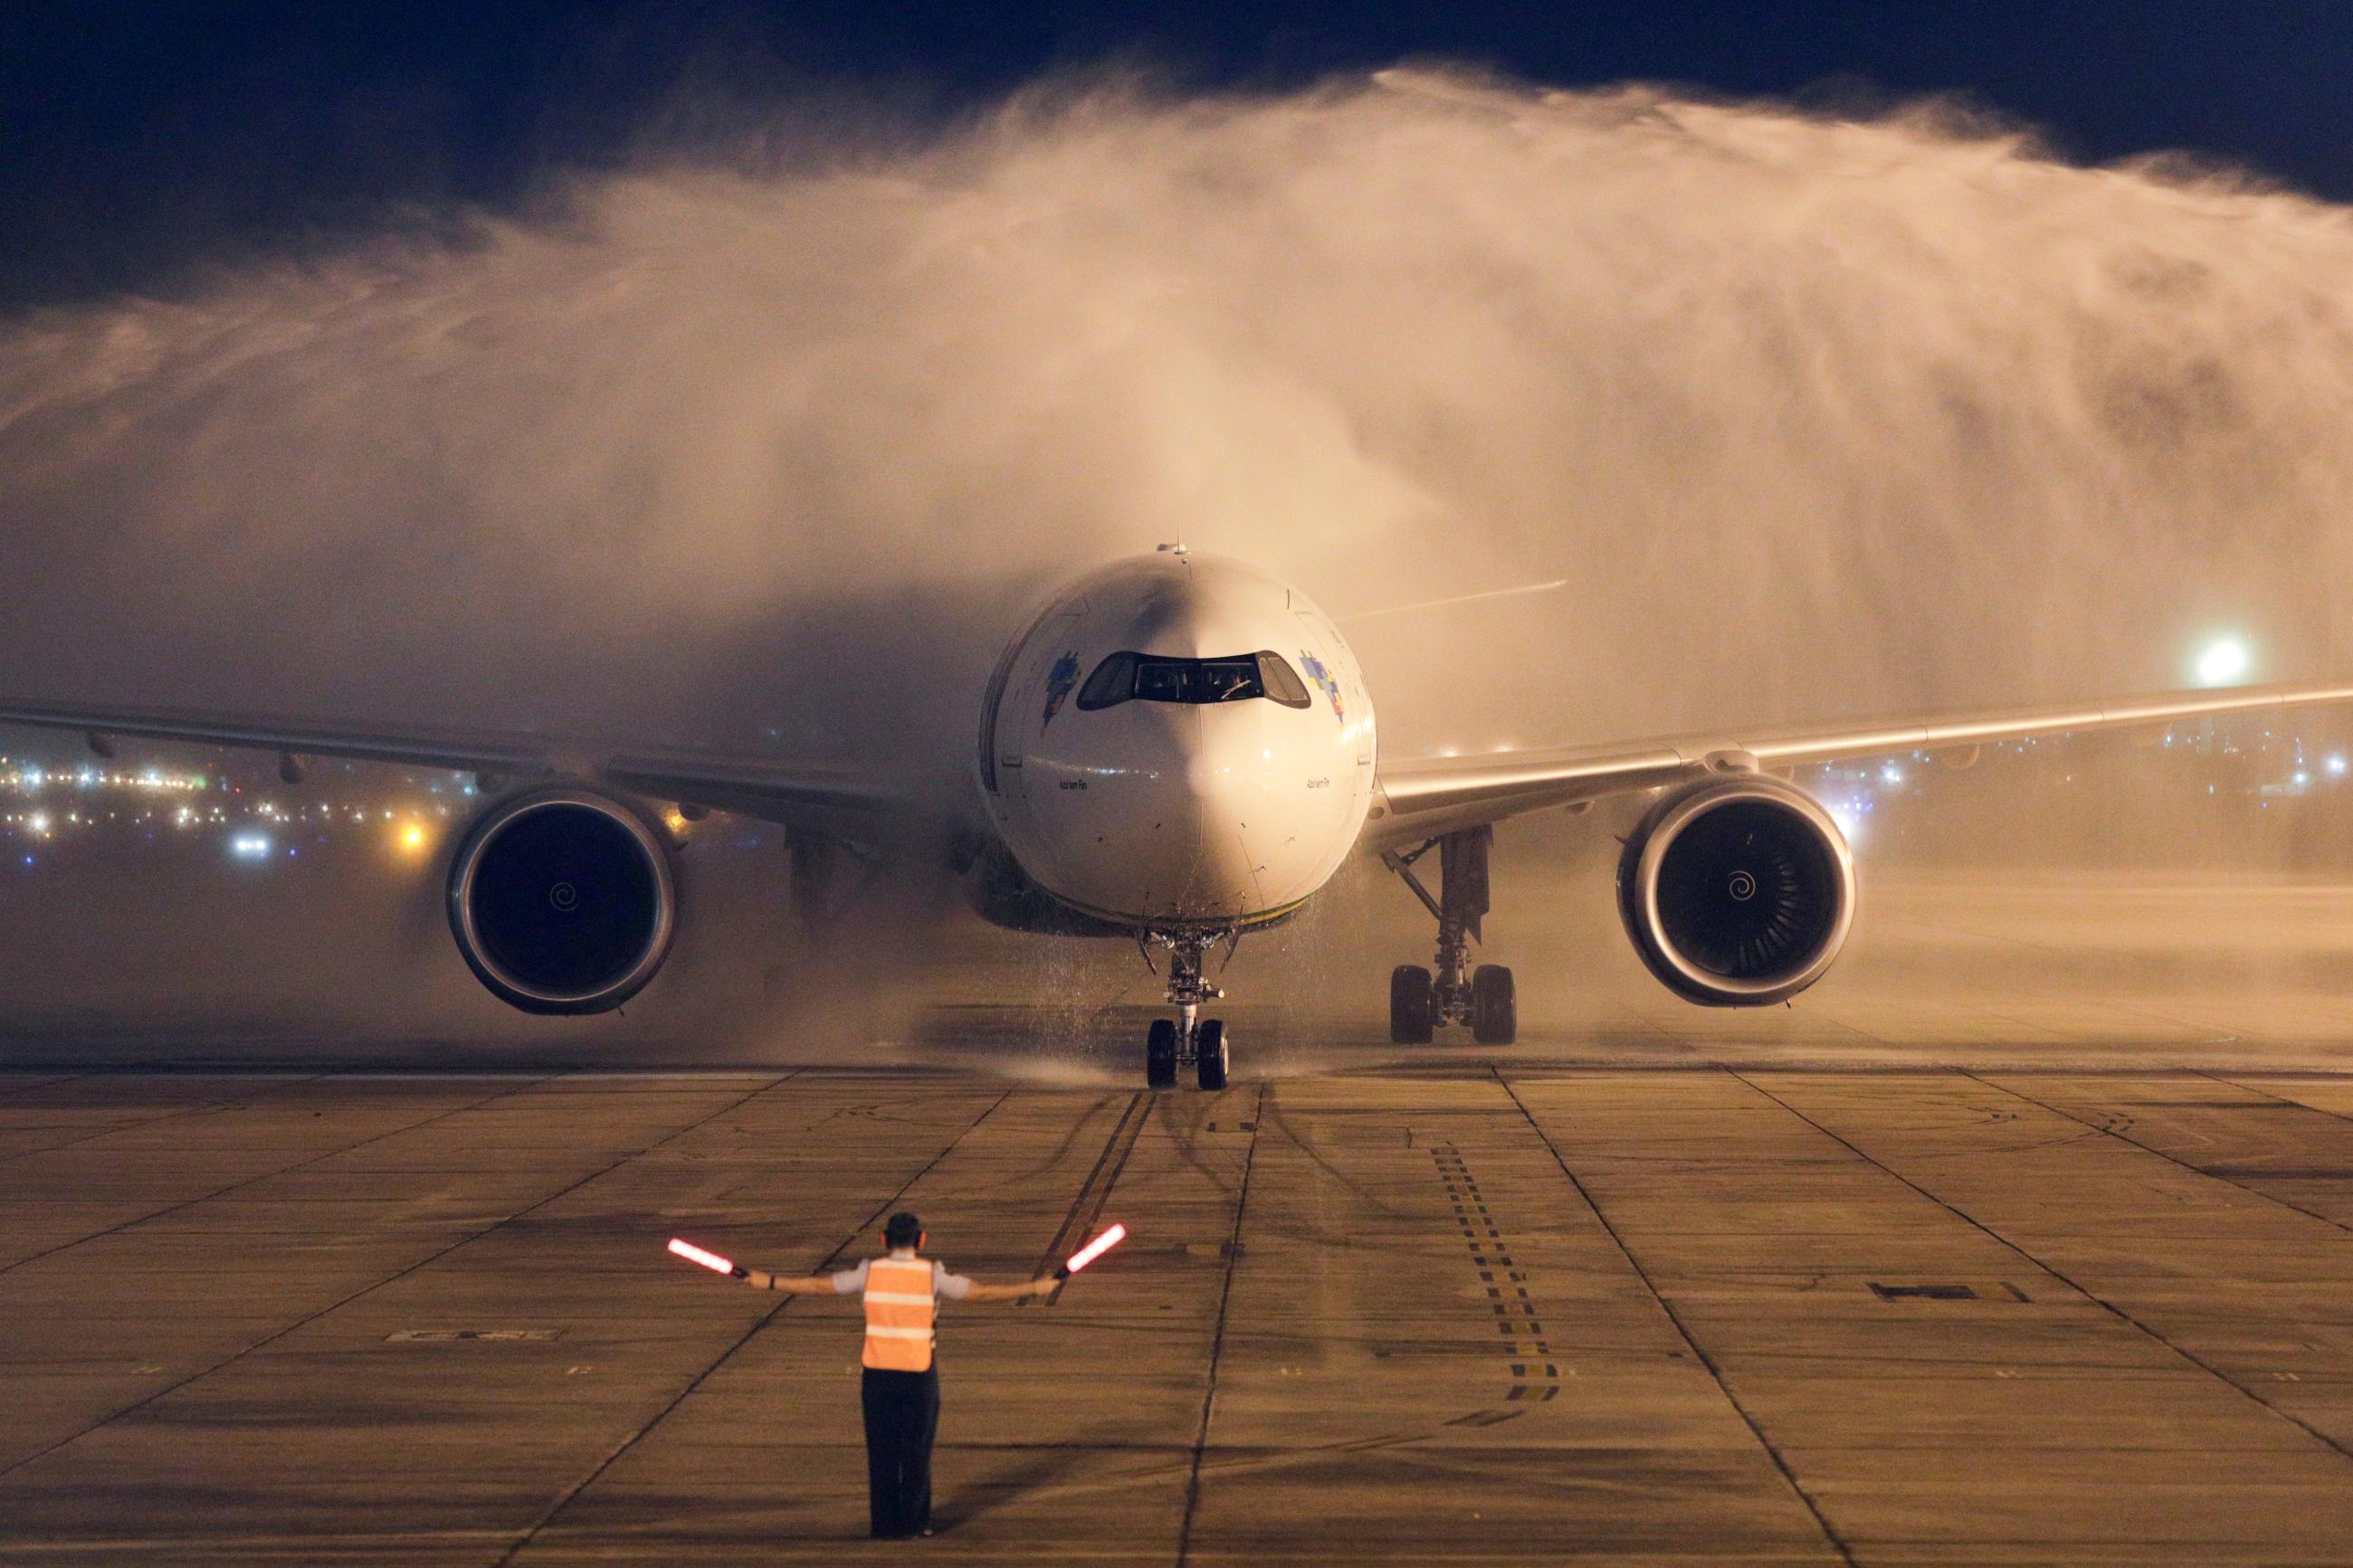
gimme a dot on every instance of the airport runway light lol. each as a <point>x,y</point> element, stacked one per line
<point>38,822</point>
<point>710,1260</point>
<point>1095,1248</point>
<point>2225,661</point>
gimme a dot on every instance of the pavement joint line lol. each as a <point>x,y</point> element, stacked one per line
<point>2169,1158</point>
<point>1755,1428</point>
<point>1218,1338</point>
<point>267,1176</point>
<point>2092,1295</point>
<point>1348,1183</point>
<point>2284,1100</point>
<point>292,1082</point>
<point>468,1239</point>
<point>523,1542</point>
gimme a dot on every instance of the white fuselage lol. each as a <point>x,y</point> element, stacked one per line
<point>1152,805</point>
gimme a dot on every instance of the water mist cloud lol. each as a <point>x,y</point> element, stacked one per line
<point>1817,415</point>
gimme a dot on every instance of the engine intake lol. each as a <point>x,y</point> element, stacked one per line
<point>561,901</point>
<point>1737,893</point>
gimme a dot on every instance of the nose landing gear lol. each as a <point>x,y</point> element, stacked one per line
<point>1173,1043</point>
<point>1484,999</point>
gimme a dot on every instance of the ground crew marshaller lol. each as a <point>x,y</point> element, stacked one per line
<point>900,1388</point>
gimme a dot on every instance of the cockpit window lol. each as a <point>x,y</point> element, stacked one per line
<point>1146,677</point>
<point>1281,682</point>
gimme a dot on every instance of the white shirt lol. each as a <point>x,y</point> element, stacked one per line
<point>851,1281</point>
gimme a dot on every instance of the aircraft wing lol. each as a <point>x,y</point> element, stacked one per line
<point>767,788</point>
<point>1425,797</point>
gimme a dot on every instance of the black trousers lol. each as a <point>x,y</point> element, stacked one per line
<point>903,1415</point>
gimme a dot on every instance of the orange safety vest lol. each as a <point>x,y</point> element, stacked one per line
<point>900,1309</point>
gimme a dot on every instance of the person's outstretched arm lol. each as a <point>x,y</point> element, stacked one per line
<point>1037,1287</point>
<point>814,1285</point>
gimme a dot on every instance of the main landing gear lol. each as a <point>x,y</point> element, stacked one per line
<point>1420,1002</point>
<point>1200,1042</point>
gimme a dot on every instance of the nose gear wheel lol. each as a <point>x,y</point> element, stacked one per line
<point>1173,1043</point>
<point>1160,1055</point>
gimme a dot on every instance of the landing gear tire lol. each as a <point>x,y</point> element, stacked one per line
<point>1160,1055</point>
<point>1413,1006</point>
<point>1209,1042</point>
<point>1495,1006</point>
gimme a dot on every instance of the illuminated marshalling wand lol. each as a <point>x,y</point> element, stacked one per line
<point>1093,1250</point>
<point>728,1266</point>
<point>710,1260</point>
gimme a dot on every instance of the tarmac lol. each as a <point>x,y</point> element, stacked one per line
<point>2067,1279</point>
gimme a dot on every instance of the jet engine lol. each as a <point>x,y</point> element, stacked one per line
<point>1736,892</point>
<point>561,901</point>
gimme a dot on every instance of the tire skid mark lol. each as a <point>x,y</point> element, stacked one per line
<point>1096,1187</point>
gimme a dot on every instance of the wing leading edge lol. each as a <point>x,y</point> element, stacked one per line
<point>769,789</point>
<point>1425,797</point>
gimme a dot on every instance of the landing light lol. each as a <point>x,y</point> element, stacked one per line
<point>2225,661</point>
<point>2336,766</point>
<point>249,845</point>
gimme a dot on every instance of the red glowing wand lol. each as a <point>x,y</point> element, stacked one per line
<point>1094,1249</point>
<point>710,1260</point>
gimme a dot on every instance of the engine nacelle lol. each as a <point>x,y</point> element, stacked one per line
<point>561,901</point>
<point>1737,893</point>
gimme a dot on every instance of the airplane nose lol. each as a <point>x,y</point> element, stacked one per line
<point>1171,816</point>
<point>1199,861</point>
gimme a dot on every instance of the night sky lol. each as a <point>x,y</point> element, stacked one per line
<point>139,140</point>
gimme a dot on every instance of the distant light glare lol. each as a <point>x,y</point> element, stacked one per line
<point>2336,766</point>
<point>2224,662</point>
<point>249,845</point>
<point>1891,775</point>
